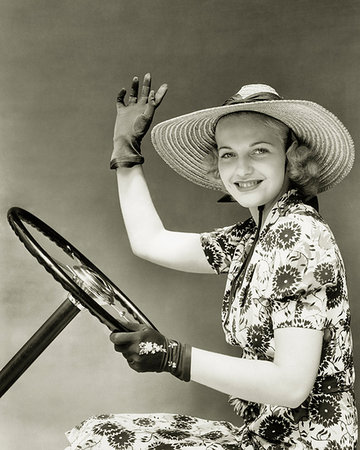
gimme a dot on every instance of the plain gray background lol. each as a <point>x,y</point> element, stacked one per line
<point>61,65</point>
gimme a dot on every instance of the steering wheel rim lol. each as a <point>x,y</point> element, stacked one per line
<point>18,216</point>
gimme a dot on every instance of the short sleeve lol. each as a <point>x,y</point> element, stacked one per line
<point>219,245</point>
<point>305,262</point>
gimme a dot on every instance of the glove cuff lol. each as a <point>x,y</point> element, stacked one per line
<point>126,154</point>
<point>115,163</point>
<point>178,360</point>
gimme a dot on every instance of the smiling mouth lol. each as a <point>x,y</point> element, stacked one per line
<point>247,185</point>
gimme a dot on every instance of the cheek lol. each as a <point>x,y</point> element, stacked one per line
<point>222,169</point>
<point>278,169</point>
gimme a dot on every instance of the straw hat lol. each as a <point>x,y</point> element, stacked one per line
<point>183,142</point>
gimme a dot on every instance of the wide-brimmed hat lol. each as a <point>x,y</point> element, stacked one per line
<point>184,142</point>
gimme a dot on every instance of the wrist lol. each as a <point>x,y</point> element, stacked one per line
<point>121,162</point>
<point>126,153</point>
<point>126,172</point>
<point>178,360</point>
<point>120,142</point>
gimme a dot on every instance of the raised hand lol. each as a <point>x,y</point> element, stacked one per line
<point>133,121</point>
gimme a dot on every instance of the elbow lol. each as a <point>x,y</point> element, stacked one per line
<point>294,388</point>
<point>294,402</point>
<point>139,250</point>
<point>300,398</point>
<point>136,249</point>
<point>144,249</point>
<point>148,246</point>
<point>295,396</point>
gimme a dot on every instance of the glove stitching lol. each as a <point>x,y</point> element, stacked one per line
<point>147,347</point>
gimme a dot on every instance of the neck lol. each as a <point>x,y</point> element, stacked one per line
<point>255,212</point>
<point>267,208</point>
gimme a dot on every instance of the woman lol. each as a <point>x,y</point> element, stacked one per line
<point>285,301</point>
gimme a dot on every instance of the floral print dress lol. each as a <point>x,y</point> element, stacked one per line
<point>295,278</point>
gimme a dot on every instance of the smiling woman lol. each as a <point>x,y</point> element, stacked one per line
<point>302,171</point>
<point>251,160</point>
<point>285,304</point>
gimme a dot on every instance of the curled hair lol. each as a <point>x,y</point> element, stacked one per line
<point>303,170</point>
<point>302,167</point>
<point>211,162</point>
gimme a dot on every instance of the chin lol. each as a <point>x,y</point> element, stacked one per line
<point>250,205</point>
<point>248,200</point>
<point>258,197</point>
<point>253,200</point>
<point>247,203</point>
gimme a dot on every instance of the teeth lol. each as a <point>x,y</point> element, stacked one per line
<point>246,184</point>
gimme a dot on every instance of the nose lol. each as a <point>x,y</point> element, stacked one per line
<point>243,166</point>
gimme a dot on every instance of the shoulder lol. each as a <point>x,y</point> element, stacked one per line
<point>219,245</point>
<point>231,235</point>
<point>301,226</point>
<point>301,242</point>
<point>298,255</point>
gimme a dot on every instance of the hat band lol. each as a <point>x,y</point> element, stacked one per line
<point>260,96</point>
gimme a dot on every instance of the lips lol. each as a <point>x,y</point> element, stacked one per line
<point>245,185</point>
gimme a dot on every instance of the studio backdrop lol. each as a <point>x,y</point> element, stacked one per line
<point>62,63</point>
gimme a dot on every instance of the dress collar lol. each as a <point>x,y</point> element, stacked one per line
<point>281,207</point>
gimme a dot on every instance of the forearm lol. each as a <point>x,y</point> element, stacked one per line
<point>252,380</point>
<point>148,237</point>
<point>141,219</point>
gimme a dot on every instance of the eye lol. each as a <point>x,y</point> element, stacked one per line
<point>260,151</point>
<point>226,154</point>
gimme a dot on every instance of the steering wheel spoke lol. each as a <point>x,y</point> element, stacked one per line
<point>78,275</point>
<point>86,285</point>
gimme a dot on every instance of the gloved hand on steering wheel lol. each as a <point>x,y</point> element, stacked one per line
<point>133,121</point>
<point>147,350</point>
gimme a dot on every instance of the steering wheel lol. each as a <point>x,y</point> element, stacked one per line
<point>87,288</point>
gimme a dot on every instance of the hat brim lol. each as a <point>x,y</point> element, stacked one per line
<point>183,142</point>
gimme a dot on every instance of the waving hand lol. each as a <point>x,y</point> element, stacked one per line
<point>133,121</point>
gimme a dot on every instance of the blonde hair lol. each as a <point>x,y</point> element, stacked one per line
<point>303,170</point>
<point>302,167</point>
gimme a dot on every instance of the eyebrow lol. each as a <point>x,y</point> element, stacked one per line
<point>261,142</point>
<point>252,145</point>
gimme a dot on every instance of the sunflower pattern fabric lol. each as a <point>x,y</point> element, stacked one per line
<point>295,278</point>
<point>153,432</point>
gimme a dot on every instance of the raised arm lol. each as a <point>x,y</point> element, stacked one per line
<point>148,237</point>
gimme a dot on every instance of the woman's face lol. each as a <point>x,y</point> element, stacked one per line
<point>251,160</point>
